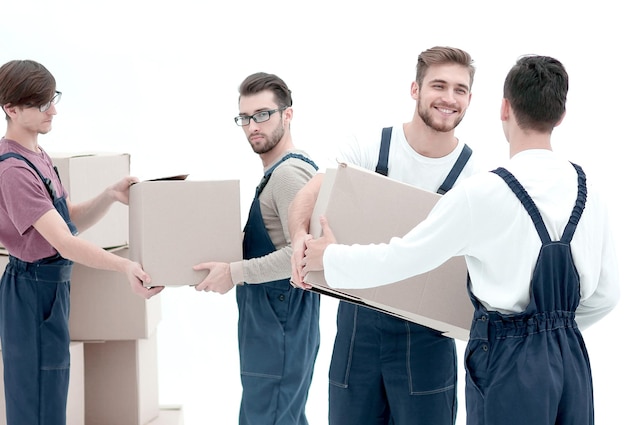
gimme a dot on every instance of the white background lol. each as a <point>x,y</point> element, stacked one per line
<point>158,80</point>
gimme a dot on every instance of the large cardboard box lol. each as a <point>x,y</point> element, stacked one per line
<point>121,383</point>
<point>176,224</point>
<point>76,392</point>
<point>86,175</point>
<point>104,307</point>
<point>365,207</point>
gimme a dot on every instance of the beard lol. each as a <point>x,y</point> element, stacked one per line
<point>270,141</point>
<point>427,116</point>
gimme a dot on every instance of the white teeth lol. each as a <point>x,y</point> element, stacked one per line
<point>446,111</point>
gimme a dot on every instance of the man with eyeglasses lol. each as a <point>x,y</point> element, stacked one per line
<point>278,324</point>
<point>38,225</point>
<point>385,370</point>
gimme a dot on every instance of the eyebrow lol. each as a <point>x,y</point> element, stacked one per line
<point>465,86</point>
<point>264,109</point>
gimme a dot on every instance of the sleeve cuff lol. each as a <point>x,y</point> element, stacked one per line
<point>236,272</point>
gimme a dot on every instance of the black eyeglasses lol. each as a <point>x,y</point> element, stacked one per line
<point>55,99</point>
<point>243,120</point>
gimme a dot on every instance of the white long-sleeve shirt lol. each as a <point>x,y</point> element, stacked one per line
<point>483,220</point>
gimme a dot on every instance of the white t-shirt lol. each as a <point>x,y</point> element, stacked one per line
<point>405,164</point>
<point>483,220</point>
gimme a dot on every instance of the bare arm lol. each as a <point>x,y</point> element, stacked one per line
<point>88,213</point>
<point>300,212</point>
<point>54,229</point>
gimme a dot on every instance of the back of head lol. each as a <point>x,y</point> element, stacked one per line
<point>262,81</point>
<point>25,83</point>
<point>536,87</point>
<point>439,55</point>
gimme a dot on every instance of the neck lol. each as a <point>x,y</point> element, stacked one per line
<point>268,158</point>
<point>523,140</point>
<point>24,138</point>
<point>428,142</point>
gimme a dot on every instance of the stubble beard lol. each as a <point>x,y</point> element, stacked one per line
<point>428,119</point>
<point>272,140</point>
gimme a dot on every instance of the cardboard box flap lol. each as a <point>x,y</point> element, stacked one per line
<point>178,177</point>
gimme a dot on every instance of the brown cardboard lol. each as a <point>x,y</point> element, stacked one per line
<point>76,393</point>
<point>121,385</point>
<point>85,176</point>
<point>365,207</point>
<point>75,410</point>
<point>176,224</point>
<point>104,307</point>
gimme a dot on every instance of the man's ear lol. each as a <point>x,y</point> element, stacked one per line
<point>9,109</point>
<point>415,90</point>
<point>505,110</point>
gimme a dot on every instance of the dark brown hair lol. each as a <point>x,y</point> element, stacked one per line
<point>262,81</point>
<point>537,88</point>
<point>25,82</point>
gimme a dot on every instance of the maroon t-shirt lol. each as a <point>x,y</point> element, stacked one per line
<point>23,200</point>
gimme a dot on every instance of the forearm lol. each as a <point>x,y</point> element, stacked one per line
<point>54,229</point>
<point>86,214</point>
<point>274,266</point>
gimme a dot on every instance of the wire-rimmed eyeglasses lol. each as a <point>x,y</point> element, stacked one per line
<point>55,99</point>
<point>243,120</point>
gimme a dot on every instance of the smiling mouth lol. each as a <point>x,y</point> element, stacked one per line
<point>446,111</point>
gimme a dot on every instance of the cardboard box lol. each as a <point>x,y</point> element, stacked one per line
<point>365,207</point>
<point>76,392</point>
<point>4,259</point>
<point>176,224</point>
<point>87,175</point>
<point>121,385</point>
<point>104,307</point>
<point>169,415</point>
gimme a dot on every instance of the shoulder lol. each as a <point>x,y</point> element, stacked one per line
<point>296,164</point>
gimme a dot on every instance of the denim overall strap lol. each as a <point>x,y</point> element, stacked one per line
<point>59,203</point>
<point>383,161</point>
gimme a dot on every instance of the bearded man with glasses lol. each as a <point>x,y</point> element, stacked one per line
<point>278,324</point>
<point>38,227</point>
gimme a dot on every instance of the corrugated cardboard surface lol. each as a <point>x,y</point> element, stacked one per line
<point>76,392</point>
<point>104,307</point>
<point>175,225</point>
<point>121,383</point>
<point>85,176</point>
<point>365,207</point>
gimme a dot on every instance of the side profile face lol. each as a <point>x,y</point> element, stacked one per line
<point>31,119</point>
<point>443,96</point>
<point>264,136</point>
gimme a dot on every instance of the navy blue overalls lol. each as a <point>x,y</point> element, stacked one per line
<point>532,367</point>
<point>385,370</point>
<point>34,331</point>
<point>278,334</point>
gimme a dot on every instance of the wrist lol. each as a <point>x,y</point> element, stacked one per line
<point>236,273</point>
